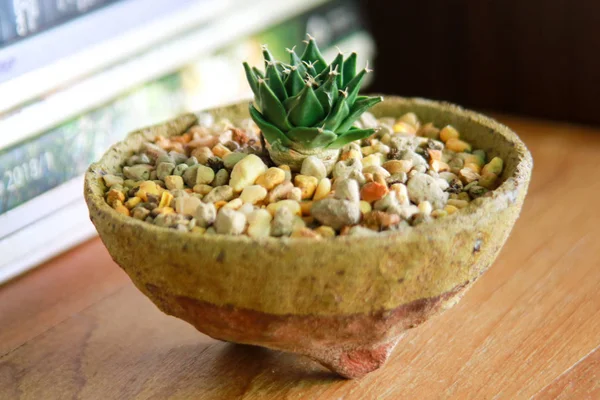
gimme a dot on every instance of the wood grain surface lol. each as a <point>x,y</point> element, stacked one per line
<point>77,328</point>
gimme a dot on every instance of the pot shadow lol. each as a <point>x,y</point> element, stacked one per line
<point>228,370</point>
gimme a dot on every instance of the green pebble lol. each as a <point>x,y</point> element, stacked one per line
<point>180,169</point>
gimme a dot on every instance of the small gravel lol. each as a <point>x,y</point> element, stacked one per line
<point>217,179</point>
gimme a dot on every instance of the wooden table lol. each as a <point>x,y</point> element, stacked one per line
<point>77,328</point>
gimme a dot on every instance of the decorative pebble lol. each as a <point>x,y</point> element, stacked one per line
<point>205,214</point>
<point>307,184</point>
<point>253,194</point>
<point>246,171</point>
<point>173,182</point>
<point>422,187</point>
<point>313,166</point>
<point>259,223</point>
<point>230,222</point>
<point>347,189</point>
<point>373,191</point>
<point>220,193</point>
<point>335,212</point>
<point>323,189</point>
<point>271,178</point>
<point>283,221</point>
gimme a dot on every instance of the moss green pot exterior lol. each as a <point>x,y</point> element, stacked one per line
<point>344,301</point>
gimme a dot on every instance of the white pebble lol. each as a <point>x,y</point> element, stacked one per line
<point>205,214</point>
<point>259,223</point>
<point>246,171</point>
<point>313,166</point>
<point>230,222</point>
<point>187,205</point>
<point>253,194</point>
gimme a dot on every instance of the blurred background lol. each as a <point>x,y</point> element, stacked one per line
<point>77,75</point>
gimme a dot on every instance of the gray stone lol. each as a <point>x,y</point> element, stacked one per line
<point>347,189</point>
<point>336,213</point>
<point>283,222</point>
<point>423,187</point>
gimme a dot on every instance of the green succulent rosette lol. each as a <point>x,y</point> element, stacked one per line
<point>306,104</point>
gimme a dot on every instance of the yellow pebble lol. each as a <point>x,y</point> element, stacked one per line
<point>352,153</point>
<point>199,230</point>
<point>473,167</point>
<point>220,151</point>
<point>288,172</point>
<point>149,187</point>
<point>325,231</point>
<point>458,203</point>
<point>114,195</point>
<point>398,166</point>
<point>220,204</point>
<point>121,209</point>
<point>450,209</point>
<point>439,213</point>
<point>323,189</point>
<point>464,196</point>
<point>365,207</point>
<point>166,210</point>
<point>458,145</point>
<point>495,166</point>
<point>403,128</point>
<point>449,132</point>
<point>271,178</point>
<point>292,205</point>
<point>439,166</point>
<point>132,202</point>
<point>472,159</point>
<point>425,207</point>
<point>411,119</point>
<point>202,189</point>
<point>307,184</point>
<point>234,204</point>
<point>165,199</point>
<point>488,180</point>
<point>305,207</point>
<point>142,195</point>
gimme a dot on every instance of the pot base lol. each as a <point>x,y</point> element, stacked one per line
<point>349,345</point>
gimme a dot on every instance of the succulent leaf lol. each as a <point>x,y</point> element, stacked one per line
<point>271,107</point>
<point>353,86</point>
<point>252,79</point>
<point>349,70</point>
<point>294,83</point>
<point>274,81</point>
<point>307,110</point>
<point>357,109</point>
<point>350,136</point>
<point>327,94</point>
<point>258,72</point>
<point>313,55</point>
<point>311,138</point>
<point>337,115</point>
<point>271,133</point>
<point>338,66</point>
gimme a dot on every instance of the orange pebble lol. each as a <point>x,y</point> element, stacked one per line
<point>373,191</point>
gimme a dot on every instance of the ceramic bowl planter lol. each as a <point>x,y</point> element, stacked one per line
<point>344,301</point>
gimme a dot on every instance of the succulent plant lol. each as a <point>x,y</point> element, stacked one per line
<point>307,105</point>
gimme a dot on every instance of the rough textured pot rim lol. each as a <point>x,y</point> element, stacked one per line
<point>506,191</point>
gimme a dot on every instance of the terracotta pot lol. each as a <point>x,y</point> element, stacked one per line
<point>345,301</point>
